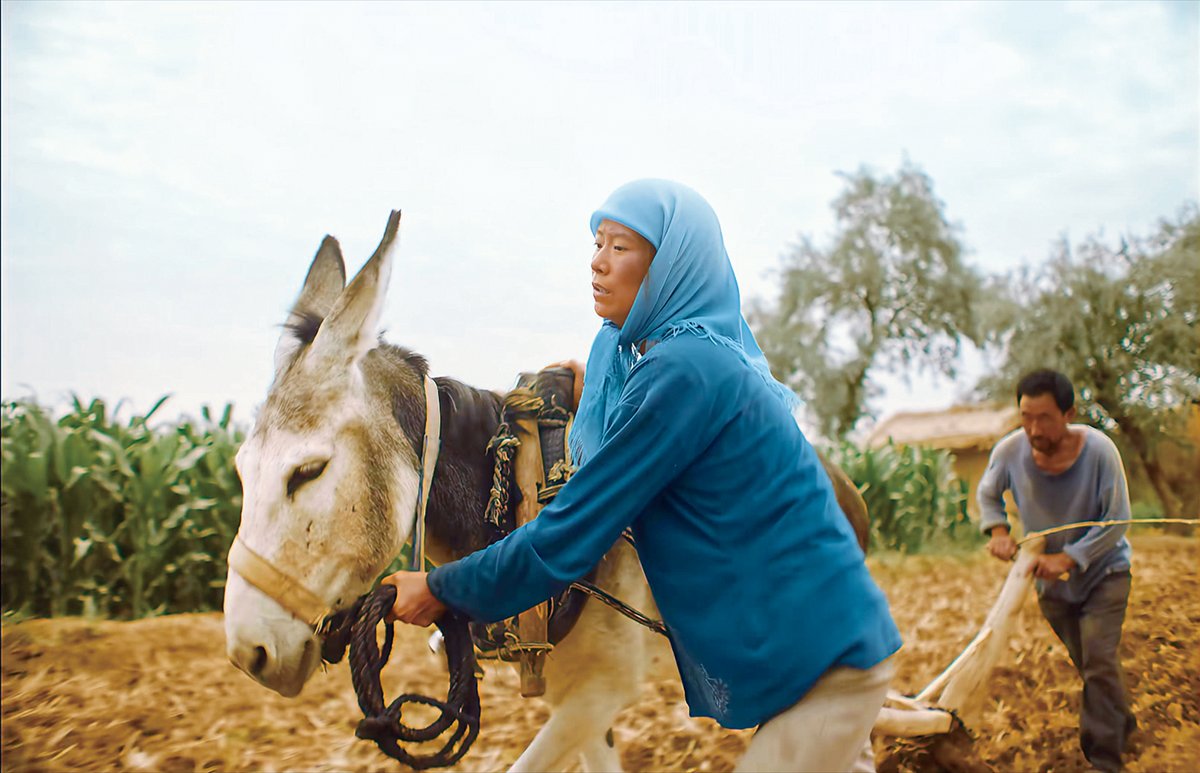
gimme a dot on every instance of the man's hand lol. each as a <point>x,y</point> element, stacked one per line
<point>1053,566</point>
<point>1001,545</point>
<point>578,369</point>
<point>415,603</point>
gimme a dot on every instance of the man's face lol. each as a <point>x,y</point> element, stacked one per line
<point>1045,425</point>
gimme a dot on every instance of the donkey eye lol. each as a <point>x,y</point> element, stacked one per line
<point>303,474</point>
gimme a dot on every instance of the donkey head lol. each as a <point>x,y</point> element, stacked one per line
<point>329,480</point>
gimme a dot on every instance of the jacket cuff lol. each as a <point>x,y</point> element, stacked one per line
<point>1078,555</point>
<point>987,524</point>
<point>434,580</point>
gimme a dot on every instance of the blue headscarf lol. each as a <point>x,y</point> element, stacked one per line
<point>690,288</point>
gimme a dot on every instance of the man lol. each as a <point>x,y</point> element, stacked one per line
<point>1061,473</point>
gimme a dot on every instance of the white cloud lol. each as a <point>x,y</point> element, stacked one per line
<point>170,168</point>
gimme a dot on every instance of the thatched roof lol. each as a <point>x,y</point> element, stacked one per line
<point>958,428</point>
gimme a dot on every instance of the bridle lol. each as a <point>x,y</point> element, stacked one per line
<point>354,627</point>
<point>291,594</point>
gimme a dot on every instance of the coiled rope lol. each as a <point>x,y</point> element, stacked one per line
<point>356,627</point>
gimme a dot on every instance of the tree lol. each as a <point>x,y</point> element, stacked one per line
<point>890,292</point>
<point>1123,323</point>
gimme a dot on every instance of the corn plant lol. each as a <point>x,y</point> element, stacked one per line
<point>104,517</point>
<point>913,497</point>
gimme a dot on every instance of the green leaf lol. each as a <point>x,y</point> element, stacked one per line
<point>116,454</point>
<point>154,408</point>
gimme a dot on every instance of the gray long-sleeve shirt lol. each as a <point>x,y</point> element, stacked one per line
<point>1092,489</point>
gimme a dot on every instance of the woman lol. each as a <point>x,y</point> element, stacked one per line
<point>683,435</point>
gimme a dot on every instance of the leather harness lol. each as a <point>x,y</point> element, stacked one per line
<point>535,422</point>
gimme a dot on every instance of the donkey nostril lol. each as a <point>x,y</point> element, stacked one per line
<point>259,664</point>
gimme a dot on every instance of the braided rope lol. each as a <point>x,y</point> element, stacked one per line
<point>381,722</point>
<point>504,444</point>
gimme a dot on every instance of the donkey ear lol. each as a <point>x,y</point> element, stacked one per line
<point>324,283</point>
<point>351,329</point>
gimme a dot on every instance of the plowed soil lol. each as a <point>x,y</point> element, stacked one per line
<point>159,695</point>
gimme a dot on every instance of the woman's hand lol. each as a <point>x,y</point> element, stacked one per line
<point>415,603</point>
<point>578,369</point>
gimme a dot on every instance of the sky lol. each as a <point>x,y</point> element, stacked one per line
<point>169,169</point>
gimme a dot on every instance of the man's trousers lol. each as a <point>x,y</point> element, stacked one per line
<point>1091,631</point>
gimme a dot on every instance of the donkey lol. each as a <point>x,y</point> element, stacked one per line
<point>330,475</point>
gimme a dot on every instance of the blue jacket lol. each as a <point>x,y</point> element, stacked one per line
<point>753,566</point>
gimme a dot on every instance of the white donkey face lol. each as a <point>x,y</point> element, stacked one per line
<point>329,482</point>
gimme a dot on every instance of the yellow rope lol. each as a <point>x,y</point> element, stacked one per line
<point>1083,524</point>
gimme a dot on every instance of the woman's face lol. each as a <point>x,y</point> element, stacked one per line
<point>619,265</point>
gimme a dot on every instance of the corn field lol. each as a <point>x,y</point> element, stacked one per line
<point>915,500</point>
<point>111,518</point>
<point>115,519</point>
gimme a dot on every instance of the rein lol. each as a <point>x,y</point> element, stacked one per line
<point>381,722</point>
<point>355,627</point>
<point>1086,524</point>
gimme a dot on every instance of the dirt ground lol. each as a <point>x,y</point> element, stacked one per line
<point>159,695</point>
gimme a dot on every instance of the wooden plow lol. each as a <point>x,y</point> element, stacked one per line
<point>960,690</point>
<point>957,695</point>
